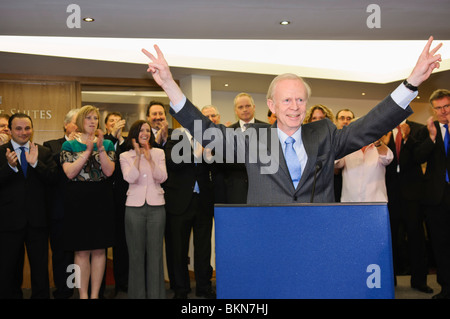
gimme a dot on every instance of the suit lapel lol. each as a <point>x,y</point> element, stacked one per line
<point>311,145</point>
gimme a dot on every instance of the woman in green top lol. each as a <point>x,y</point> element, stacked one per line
<point>88,162</point>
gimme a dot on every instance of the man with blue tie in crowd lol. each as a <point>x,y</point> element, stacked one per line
<point>25,170</point>
<point>434,149</point>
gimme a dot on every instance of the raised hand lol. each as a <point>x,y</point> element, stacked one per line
<point>158,66</point>
<point>146,151</point>
<point>163,132</point>
<point>89,145</point>
<point>405,130</point>
<point>427,62</point>
<point>431,128</point>
<point>160,71</point>
<point>100,147</point>
<point>11,157</point>
<point>74,135</point>
<point>32,155</point>
<point>117,129</point>
<point>136,146</point>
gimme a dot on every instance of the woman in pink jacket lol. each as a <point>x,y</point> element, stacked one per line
<point>144,168</point>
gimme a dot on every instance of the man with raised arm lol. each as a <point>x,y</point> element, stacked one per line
<point>303,154</point>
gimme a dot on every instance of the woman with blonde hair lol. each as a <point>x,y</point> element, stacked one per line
<point>88,162</point>
<point>318,112</point>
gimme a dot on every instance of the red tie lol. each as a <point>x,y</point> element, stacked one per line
<point>398,142</point>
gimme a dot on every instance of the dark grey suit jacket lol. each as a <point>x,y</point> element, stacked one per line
<point>323,144</point>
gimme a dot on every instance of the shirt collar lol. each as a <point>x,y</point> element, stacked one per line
<point>16,146</point>
<point>297,136</point>
<point>241,122</point>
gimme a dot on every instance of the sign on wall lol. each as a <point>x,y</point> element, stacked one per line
<point>46,102</point>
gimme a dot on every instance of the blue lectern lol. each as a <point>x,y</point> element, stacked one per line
<point>339,250</point>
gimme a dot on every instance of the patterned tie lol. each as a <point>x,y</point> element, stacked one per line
<point>23,161</point>
<point>292,161</point>
<point>446,146</point>
<point>194,147</point>
<point>398,142</point>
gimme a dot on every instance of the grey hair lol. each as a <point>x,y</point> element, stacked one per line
<point>210,107</point>
<point>69,115</point>
<point>286,76</point>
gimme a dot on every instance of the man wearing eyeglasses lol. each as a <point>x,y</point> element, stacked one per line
<point>434,150</point>
<point>343,118</point>
<point>211,112</point>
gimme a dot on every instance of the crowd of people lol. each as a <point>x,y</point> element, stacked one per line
<point>94,189</point>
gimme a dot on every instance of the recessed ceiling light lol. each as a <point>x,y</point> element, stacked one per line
<point>285,22</point>
<point>226,84</point>
<point>88,19</point>
<point>363,93</point>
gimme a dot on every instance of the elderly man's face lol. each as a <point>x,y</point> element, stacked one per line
<point>289,104</point>
<point>4,126</point>
<point>212,115</point>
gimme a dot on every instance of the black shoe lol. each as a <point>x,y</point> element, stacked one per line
<point>441,295</point>
<point>180,295</point>
<point>423,288</point>
<point>208,293</point>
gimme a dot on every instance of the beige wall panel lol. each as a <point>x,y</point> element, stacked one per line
<point>46,102</point>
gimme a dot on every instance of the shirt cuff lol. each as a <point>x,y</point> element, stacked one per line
<point>177,107</point>
<point>403,96</point>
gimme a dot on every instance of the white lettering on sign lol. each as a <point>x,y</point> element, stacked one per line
<point>35,114</point>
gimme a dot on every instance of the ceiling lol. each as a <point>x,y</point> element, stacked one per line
<point>226,20</point>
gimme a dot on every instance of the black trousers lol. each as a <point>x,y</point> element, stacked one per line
<point>438,221</point>
<point>408,213</point>
<point>178,231</point>
<point>11,258</point>
<point>61,259</point>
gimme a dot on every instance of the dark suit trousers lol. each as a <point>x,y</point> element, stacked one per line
<point>11,248</point>
<point>408,213</point>
<point>179,230</point>
<point>61,259</point>
<point>438,221</point>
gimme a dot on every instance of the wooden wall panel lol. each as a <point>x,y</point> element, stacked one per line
<point>46,102</point>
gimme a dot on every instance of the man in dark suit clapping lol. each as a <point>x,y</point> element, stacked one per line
<point>434,150</point>
<point>25,171</point>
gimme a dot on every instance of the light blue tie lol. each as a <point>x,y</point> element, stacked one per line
<point>23,161</point>
<point>446,146</point>
<point>292,161</point>
<point>196,187</point>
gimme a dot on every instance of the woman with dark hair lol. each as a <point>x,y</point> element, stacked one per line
<point>144,168</point>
